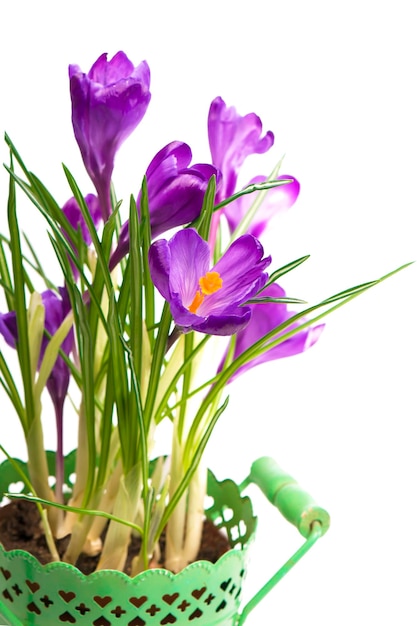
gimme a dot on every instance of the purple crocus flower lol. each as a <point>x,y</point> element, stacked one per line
<point>265,317</point>
<point>233,137</point>
<point>75,217</point>
<point>175,192</point>
<point>277,200</point>
<point>107,105</point>
<point>203,299</point>
<point>57,306</point>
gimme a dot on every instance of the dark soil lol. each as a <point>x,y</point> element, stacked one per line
<point>20,528</point>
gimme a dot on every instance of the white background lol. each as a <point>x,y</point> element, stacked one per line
<point>336,83</point>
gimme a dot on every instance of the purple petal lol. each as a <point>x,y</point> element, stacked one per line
<point>266,317</point>
<point>175,190</point>
<point>166,163</point>
<point>57,306</point>
<point>75,217</point>
<point>107,105</point>
<point>159,266</point>
<point>225,324</point>
<point>8,328</point>
<point>241,269</point>
<point>175,193</point>
<point>190,258</point>
<point>177,266</point>
<point>56,309</point>
<point>232,138</point>
<point>110,72</point>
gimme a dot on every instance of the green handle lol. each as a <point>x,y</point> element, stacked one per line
<point>297,506</point>
<point>283,491</point>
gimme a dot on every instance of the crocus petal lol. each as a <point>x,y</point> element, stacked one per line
<point>175,188</point>
<point>56,309</point>
<point>242,271</point>
<point>232,138</point>
<point>107,105</point>
<point>75,217</point>
<point>276,200</point>
<point>57,306</point>
<point>265,317</point>
<point>177,267</point>
<point>8,328</point>
<point>175,193</point>
<point>183,260</point>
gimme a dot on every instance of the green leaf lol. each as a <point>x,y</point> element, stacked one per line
<point>74,509</point>
<point>22,345</point>
<point>202,225</point>
<point>284,270</point>
<point>265,300</point>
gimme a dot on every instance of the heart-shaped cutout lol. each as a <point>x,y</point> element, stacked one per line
<point>137,621</point>
<point>197,593</point>
<point>137,602</point>
<point>170,598</point>
<point>33,608</point>
<point>221,606</point>
<point>5,573</point>
<point>168,619</point>
<point>102,600</point>
<point>195,614</point>
<point>32,586</point>
<point>101,621</point>
<point>67,617</point>
<point>7,595</point>
<point>66,595</point>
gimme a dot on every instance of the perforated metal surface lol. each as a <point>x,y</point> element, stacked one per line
<point>204,593</point>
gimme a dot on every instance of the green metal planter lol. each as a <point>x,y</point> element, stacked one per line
<point>203,593</point>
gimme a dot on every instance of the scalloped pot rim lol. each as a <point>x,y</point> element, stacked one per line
<point>232,554</point>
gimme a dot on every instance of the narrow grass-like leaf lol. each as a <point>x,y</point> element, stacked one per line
<point>45,522</point>
<point>203,223</point>
<point>74,509</point>
<point>7,380</point>
<point>86,359</point>
<point>37,266</point>
<point>22,345</point>
<point>136,288</point>
<point>102,260</point>
<point>285,300</point>
<point>148,286</point>
<point>199,450</point>
<point>6,280</point>
<point>186,381</point>
<point>271,340</point>
<point>51,354</point>
<point>284,270</point>
<point>15,153</point>
<point>268,184</point>
<point>262,189</point>
<point>158,356</point>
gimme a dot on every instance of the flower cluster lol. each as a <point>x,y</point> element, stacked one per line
<point>123,337</point>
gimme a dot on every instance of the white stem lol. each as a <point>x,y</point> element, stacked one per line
<point>195,514</point>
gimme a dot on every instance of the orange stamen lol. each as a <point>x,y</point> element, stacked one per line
<point>198,299</point>
<point>209,283</point>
